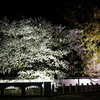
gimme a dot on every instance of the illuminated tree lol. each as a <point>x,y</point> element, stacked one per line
<point>92,55</point>
<point>36,46</point>
<point>86,15</point>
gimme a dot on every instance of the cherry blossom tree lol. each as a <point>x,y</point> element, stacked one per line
<point>36,46</point>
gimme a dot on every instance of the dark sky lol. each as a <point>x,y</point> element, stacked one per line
<point>48,9</point>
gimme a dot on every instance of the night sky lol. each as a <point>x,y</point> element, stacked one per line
<point>48,9</point>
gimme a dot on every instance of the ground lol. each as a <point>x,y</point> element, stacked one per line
<point>78,96</point>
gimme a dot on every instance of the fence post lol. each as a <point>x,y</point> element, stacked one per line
<point>63,88</point>
<point>87,87</point>
<point>92,87</point>
<point>53,90</point>
<point>76,88</point>
<point>2,92</point>
<point>47,88</point>
<point>82,87</point>
<point>23,91</point>
<point>41,90</point>
<point>97,87</point>
<point>70,88</point>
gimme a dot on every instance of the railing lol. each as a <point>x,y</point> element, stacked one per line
<point>26,89</point>
<point>77,88</point>
<point>43,89</point>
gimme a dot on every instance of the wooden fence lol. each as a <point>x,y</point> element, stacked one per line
<point>76,89</point>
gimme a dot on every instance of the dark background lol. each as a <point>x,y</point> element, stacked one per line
<point>48,9</point>
<point>52,10</point>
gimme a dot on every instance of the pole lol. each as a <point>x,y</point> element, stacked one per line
<point>78,78</point>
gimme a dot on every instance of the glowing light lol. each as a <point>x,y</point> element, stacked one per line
<point>83,81</point>
<point>93,66</point>
<point>30,44</point>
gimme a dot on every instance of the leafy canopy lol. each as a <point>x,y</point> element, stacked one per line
<point>37,44</point>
